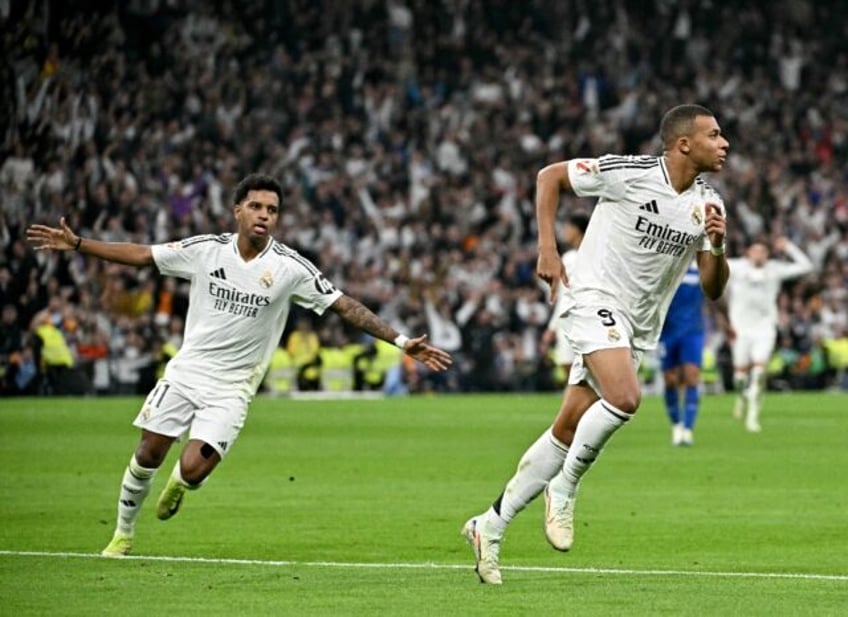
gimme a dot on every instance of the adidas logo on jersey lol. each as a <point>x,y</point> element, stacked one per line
<point>651,207</point>
<point>219,274</point>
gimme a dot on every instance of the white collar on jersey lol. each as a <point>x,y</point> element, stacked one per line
<point>267,248</point>
<point>664,170</point>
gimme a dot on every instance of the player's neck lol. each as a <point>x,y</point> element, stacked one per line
<point>681,173</point>
<point>249,247</point>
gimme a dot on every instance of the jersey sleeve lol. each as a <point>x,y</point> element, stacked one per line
<point>602,177</point>
<point>312,290</point>
<point>800,265</point>
<point>181,258</point>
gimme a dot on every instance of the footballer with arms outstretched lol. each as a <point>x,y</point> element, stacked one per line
<point>654,215</point>
<point>242,287</point>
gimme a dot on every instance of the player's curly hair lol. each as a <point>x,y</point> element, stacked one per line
<point>256,182</point>
<point>678,120</point>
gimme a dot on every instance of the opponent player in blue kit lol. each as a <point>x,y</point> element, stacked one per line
<point>682,350</point>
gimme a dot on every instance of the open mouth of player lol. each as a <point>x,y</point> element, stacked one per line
<point>260,230</point>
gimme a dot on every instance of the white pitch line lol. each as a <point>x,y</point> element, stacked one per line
<point>433,566</point>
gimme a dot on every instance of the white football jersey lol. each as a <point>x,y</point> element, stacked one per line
<point>641,238</point>
<point>237,309</point>
<point>752,291</point>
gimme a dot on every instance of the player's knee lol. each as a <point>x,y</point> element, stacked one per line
<point>564,434</point>
<point>150,455</point>
<point>197,462</point>
<point>147,460</point>
<point>194,473</point>
<point>626,401</point>
<point>692,377</point>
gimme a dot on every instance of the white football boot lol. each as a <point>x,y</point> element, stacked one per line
<point>559,520</point>
<point>487,546</point>
<point>677,435</point>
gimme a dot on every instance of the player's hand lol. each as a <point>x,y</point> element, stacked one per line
<point>45,238</point>
<point>432,357</point>
<point>549,268</point>
<point>780,244</point>
<point>715,224</point>
<point>730,334</point>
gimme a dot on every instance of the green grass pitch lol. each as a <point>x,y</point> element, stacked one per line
<point>354,508</point>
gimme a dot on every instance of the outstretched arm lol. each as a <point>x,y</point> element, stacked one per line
<point>359,315</point>
<point>801,264</point>
<point>549,182</point>
<point>62,238</point>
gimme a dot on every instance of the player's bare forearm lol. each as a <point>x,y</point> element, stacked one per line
<point>714,274</point>
<point>62,238</point>
<point>549,182</point>
<point>713,263</point>
<point>127,253</point>
<point>359,315</point>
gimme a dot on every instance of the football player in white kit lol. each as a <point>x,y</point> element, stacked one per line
<point>752,309</point>
<point>242,287</point>
<point>654,216</point>
<point>573,232</point>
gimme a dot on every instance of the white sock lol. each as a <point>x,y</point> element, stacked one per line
<point>595,428</point>
<point>740,383</point>
<point>755,391</point>
<point>537,466</point>
<point>135,485</point>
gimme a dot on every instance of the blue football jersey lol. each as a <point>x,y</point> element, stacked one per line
<point>685,313</point>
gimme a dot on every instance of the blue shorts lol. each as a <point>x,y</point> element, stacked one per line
<point>679,350</point>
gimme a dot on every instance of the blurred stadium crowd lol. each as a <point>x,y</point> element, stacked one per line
<point>407,135</point>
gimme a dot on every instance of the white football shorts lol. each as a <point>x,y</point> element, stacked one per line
<point>592,328</point>
<point>753,348</point>
<point>563,353</point>
<point>168,411</point>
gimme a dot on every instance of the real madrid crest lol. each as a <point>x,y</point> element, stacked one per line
<point>697,215</point>
<point>266,280</point>
<point>613,335</point>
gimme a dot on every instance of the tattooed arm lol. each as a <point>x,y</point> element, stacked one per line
<point>359,315</point>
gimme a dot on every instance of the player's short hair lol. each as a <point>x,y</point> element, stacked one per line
<point>678,121</point>
<point>256,182</point>
<point>580,220</point>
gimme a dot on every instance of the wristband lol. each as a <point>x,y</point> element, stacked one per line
<point>401,341</point>
<point>79,242</point>
<point>718,251</point>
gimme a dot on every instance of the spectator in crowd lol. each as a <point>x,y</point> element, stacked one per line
<point>304,346</point>
<point>55,359</point>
